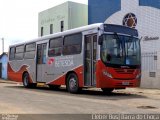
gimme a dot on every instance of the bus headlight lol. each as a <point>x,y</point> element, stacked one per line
<point>107,74</point>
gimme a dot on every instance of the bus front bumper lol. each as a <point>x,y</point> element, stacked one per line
<point>118,83</point>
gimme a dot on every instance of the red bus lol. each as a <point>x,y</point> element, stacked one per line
<point>101,55</point>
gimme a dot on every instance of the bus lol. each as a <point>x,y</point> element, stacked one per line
<point>105,56</point>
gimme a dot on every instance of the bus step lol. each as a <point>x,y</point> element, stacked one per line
<point>41,84</point>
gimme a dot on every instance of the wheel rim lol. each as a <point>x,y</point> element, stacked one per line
<point>72,83</point>
<point>25,80</point>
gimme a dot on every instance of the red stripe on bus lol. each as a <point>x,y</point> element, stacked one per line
<point>61,80</point>
<point>17,76</point>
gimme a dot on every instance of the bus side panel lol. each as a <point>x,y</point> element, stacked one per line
<point>98,74</point>
<point>61,80</point>
<point>15,76</point>
<point>79,72</point>
<point>56,72</point>
<point>17,68</point>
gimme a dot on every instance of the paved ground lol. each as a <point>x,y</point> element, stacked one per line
<point>15,99</point>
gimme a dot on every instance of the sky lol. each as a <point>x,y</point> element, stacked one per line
<point>19,19</point>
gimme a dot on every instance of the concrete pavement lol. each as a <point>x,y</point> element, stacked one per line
<point>129,90</point>
<point>14,98</point>
<point>8,81</point>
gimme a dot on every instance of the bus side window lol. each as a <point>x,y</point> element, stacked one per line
<point>72,44</point>
<point>39,54</point>
<point>12,53</point>
<point>44,59</point>
<point>19,52</point>
<point>55,47</point>
<point>30,50</point>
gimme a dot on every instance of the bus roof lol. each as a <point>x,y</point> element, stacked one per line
<point>120,29</point>
<point>71,31</point>
<point>107,28</point>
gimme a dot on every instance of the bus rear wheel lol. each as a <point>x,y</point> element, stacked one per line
<point>26,82</point>
<point>72,83</point>
<point>107,90</point>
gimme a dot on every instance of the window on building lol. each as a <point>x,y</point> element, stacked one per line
<point>152,74</point>
<point>30,50</point>
<point>41,31</point>
<point>62,26</point>
<point>19,52</point>
<point>55,47</point>
<point>12,53</point>
<point>51,28</point>
<point>72,44</point>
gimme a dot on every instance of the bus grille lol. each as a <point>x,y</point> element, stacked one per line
<point>124,71</point>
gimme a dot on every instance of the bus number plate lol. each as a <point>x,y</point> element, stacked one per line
<point>125,83</point>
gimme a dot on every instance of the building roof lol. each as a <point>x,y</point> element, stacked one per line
<point>4,53</point>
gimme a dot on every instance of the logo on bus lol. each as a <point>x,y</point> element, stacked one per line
<point>64,61</point>
<point>130,20</point>
<point>50,61</point>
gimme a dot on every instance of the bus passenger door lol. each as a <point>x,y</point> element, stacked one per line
<point>41,61</point>
<point>90,60</point>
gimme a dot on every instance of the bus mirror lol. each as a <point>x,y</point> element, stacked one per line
<point>100,40</point>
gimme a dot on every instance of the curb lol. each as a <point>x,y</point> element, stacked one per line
<point>8,81</point>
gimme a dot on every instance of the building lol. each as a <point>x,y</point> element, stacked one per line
<point>62,17</point>
<point>143,15</point>
<point>3,65</point>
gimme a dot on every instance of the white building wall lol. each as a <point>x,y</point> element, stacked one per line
<point>73,14</point>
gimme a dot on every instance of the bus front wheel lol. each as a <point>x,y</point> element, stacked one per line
<point>72,83</point>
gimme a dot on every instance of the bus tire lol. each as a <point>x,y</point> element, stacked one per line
<point>107,90</point>
<point>26,82</point>
<point>72,83</point>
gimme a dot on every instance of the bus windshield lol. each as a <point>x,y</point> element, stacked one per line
<point>120,50</point>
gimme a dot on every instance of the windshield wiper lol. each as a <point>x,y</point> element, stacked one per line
<point>116,35</point>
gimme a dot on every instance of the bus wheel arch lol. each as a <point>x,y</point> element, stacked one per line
<point>26,81</point>
<point>72,82</point>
